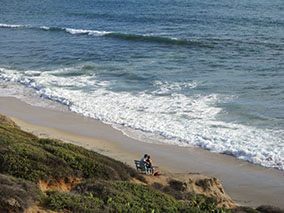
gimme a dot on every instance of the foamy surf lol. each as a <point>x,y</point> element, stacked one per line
<point>163,114</point>
<point>12,26</point>
<point>88,32</point>
<point>68,30</point>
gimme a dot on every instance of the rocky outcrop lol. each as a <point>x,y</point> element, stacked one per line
<point>208,186</point>
<point>193,184</point>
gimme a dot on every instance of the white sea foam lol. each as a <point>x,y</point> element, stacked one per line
<point>88,32</point>
<point>168,87</point>
<point>45,28</point>
<point>171,118</point>
<point>11,26</point>
<point>28,95</point>
<point>68,30</point>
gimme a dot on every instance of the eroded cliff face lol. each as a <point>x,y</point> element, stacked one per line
<point>193,184</point>
<point>208,186</point>
<point>61,184</point>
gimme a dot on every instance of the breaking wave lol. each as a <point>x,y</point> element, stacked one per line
<point>117,35</point>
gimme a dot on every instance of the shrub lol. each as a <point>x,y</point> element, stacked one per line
<point>17,195</point>
<point>23,155</point>
<point>72,202</point>
<point>124,196</point>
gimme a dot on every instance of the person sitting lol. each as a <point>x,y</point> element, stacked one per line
<point>150,165</point>
<point>144,159</point>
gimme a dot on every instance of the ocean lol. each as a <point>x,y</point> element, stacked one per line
<point>182,72</point>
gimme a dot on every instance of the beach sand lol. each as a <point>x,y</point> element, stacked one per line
<point>246,183</point>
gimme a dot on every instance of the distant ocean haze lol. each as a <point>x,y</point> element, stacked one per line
<point>189,73</point>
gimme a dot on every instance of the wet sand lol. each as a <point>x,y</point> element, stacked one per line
<point>247,184</point>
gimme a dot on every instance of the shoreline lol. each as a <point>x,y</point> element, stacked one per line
<point>247,184</point>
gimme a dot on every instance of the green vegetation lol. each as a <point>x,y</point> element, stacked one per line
<point>25,159</point>
<point>123,196</point>
<point>25,156</point>
<point>72,202</point>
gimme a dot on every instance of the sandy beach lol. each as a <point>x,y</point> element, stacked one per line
<point>246,183</point>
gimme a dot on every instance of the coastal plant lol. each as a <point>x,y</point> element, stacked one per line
<point>26,156</point>
<point>72,202</point>
<point>125,196</point>
<point>17,194</point>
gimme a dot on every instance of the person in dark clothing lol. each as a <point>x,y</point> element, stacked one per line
<point>150,164</point>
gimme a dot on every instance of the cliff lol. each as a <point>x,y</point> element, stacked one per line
<point>44,175</point>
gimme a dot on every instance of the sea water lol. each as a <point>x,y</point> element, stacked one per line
<point>184,72</point>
